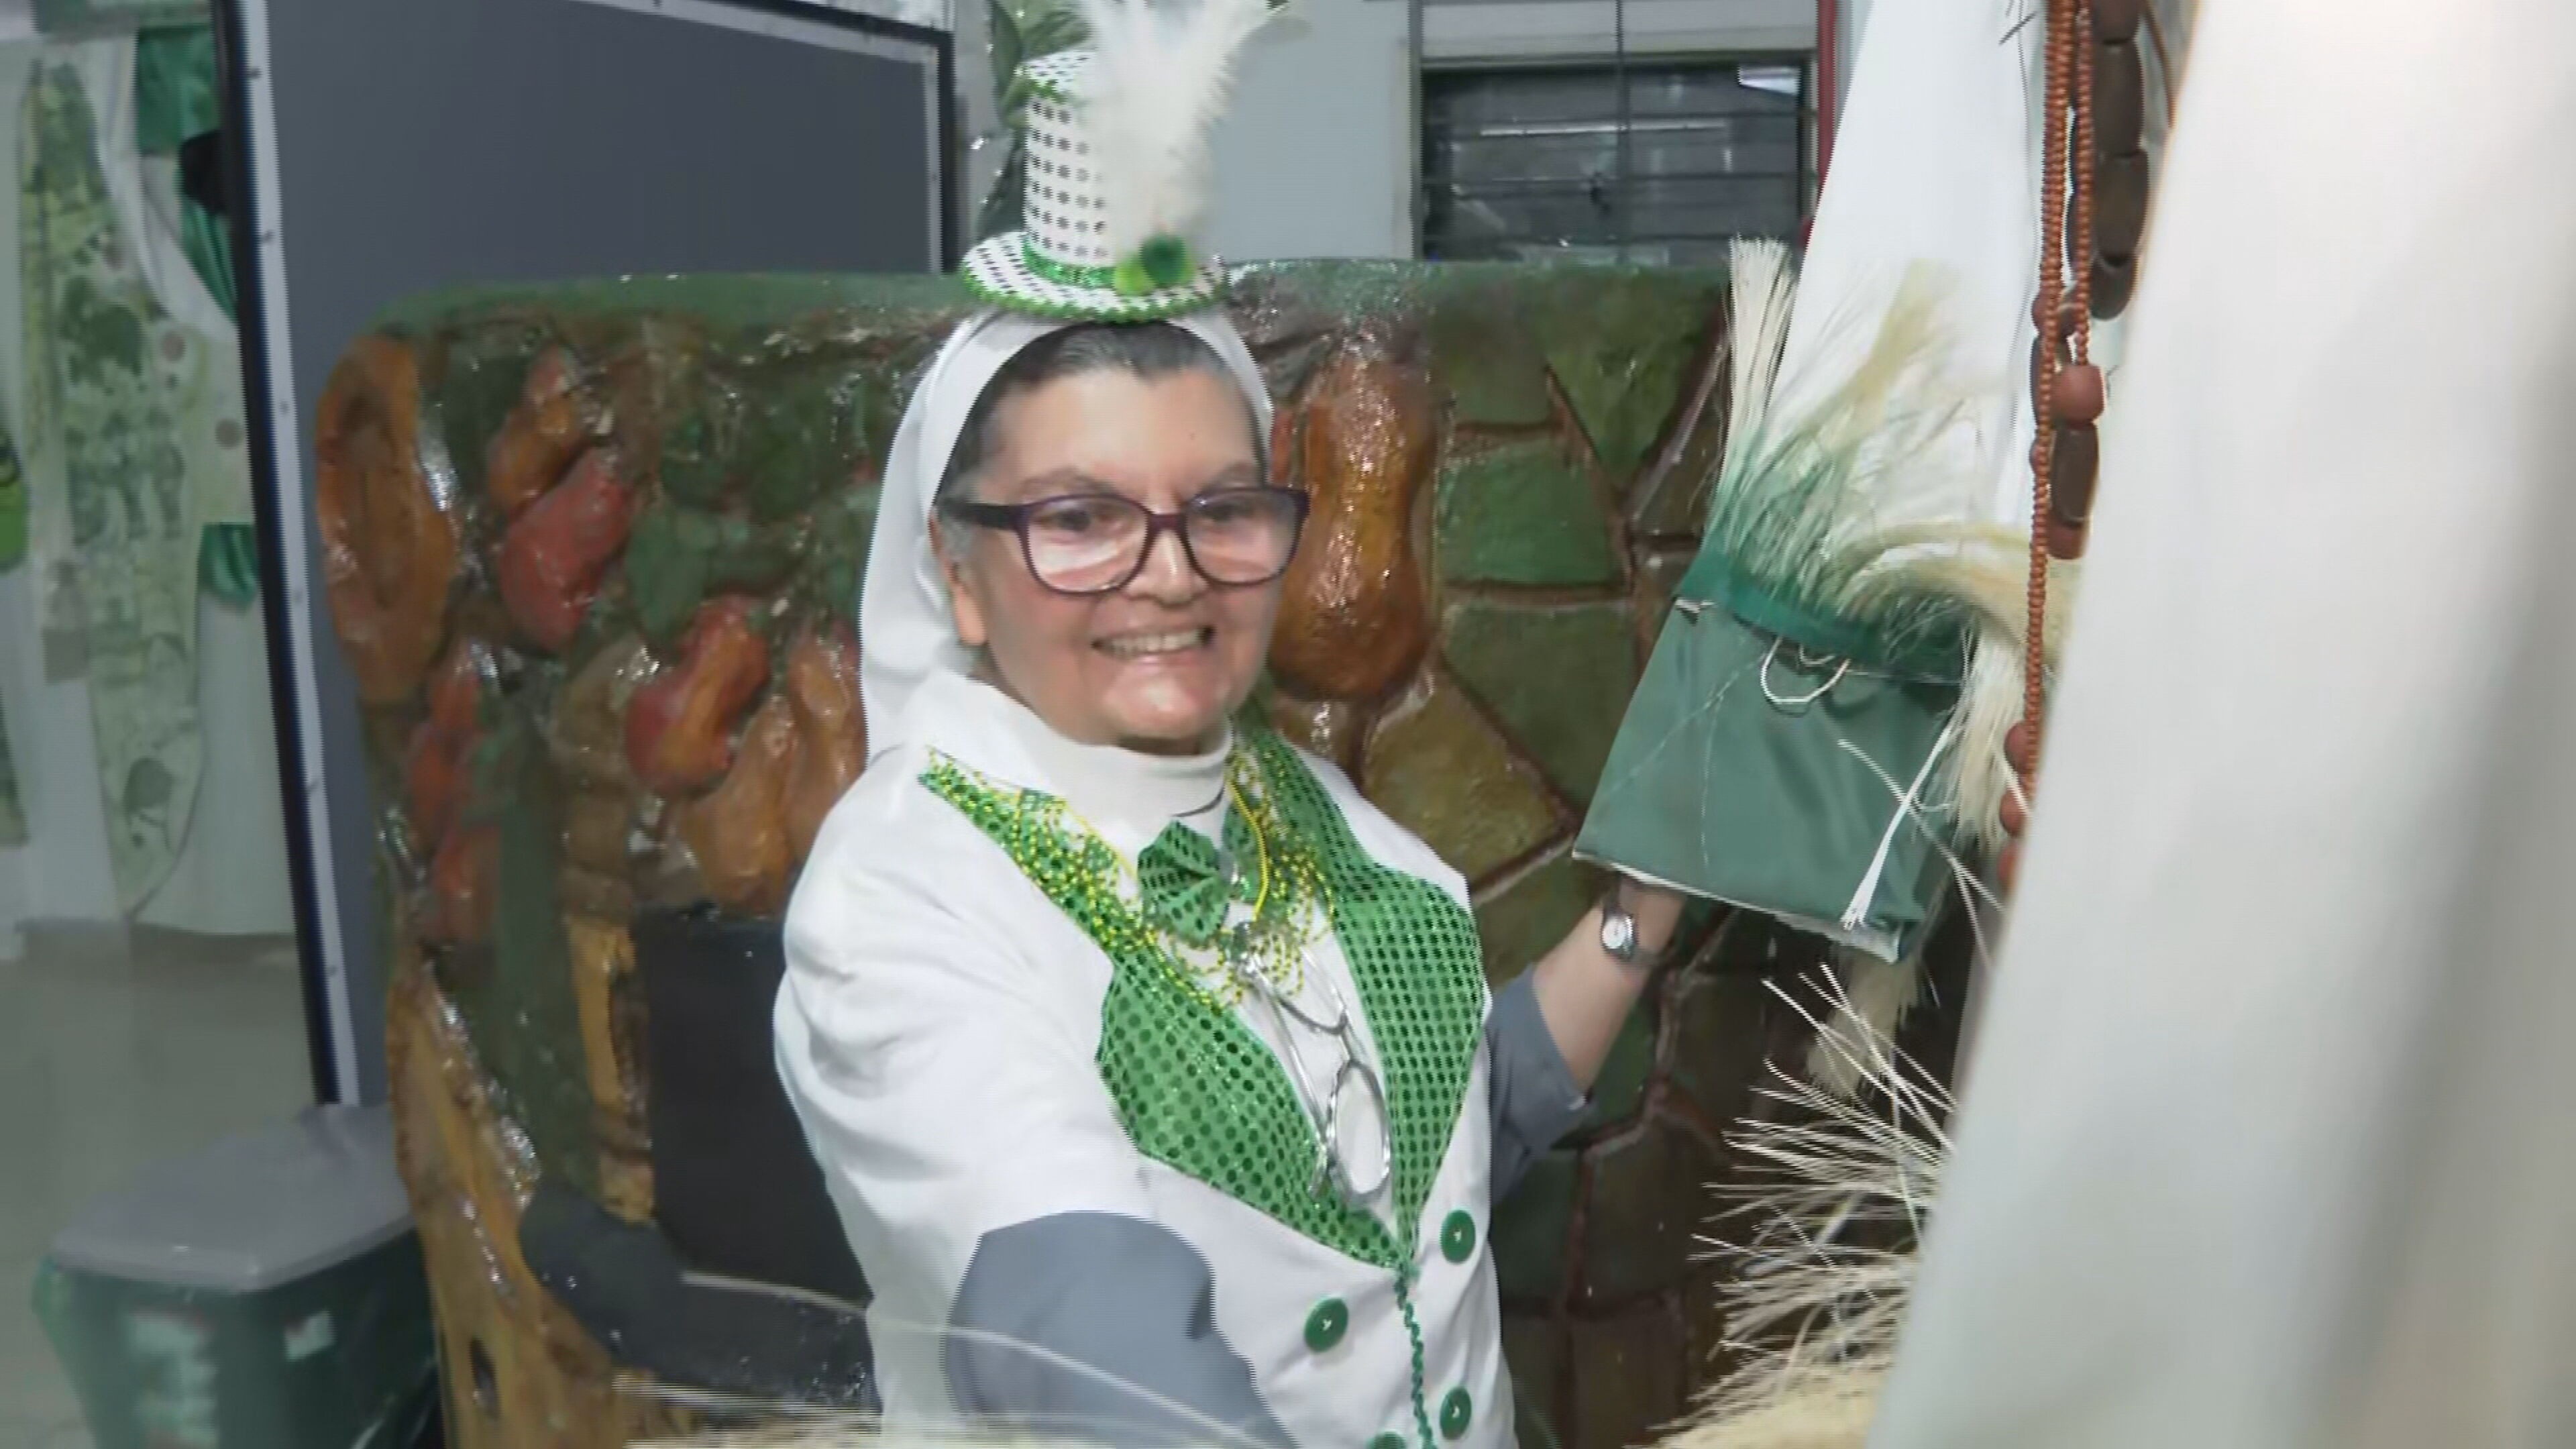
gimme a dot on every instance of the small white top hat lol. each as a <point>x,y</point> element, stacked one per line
<point>1116,158</point>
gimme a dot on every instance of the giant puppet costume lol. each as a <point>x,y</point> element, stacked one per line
<point>2261,1140</point>
<point>2265,1142</point>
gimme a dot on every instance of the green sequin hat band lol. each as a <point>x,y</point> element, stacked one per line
<point>1009,272</point>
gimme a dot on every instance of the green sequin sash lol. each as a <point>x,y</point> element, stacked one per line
<point>1195,1089</point>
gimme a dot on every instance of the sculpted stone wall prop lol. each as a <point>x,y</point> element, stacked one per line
<point>595,551</point>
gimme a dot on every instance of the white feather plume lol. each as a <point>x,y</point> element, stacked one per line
<point>1819,1290</point>
<point>1762,285</point>
<point>1872,1001</point>
<point>1160,76</point>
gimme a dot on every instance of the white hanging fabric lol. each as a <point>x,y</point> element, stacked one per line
<point>228,874</point>
<point>60,872</point>
<point>2264,1142</point>
<point>1936,161</point>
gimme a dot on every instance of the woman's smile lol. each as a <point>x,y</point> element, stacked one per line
<point>1160,646</point>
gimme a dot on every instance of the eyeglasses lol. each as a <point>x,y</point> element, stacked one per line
<point>1097,543</point>
<point>1333,1173</point>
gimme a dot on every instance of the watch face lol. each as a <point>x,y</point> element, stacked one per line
<point>1618,934</point>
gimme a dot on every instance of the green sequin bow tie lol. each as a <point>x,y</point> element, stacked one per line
<point>1185,881</point>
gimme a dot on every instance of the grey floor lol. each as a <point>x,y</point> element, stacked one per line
<point>117,1050</point>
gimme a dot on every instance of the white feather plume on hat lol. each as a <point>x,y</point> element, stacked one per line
<point>1160,75</point>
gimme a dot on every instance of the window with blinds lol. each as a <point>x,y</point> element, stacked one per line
<point>1553,162</point>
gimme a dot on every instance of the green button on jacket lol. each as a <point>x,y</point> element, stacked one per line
<point>1458,1237</point>
<point>1457,1412</point>
<point>1387,1441</point>
<point>1326,1325</point>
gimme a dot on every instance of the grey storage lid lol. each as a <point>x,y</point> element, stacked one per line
<point>253,1211</point>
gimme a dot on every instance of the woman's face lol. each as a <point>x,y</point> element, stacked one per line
<point>1161,663</point>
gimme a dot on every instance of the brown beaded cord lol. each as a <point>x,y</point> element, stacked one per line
<point>2046,315</point>
<point>2062,316</point>
<point>2081,51</point>
<point>2076,452</point>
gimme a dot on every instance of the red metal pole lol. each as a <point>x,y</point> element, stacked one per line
<point>1828,70</point>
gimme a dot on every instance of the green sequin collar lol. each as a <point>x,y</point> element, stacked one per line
<point>1195,1089</point>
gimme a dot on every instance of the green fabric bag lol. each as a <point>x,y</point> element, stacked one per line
<point>1778,761</point>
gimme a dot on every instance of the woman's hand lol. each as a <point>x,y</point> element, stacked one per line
<point>1585,992</point>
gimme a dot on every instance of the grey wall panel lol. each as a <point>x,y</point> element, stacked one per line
<point>395,146</point>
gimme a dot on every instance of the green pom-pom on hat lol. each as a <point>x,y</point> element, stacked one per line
<point>1161,263</point>
<point>1166,259</point>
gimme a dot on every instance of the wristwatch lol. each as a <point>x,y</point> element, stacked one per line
<point>1619,935</point>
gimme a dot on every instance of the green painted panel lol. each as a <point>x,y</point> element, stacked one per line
<point>1523,514</point>
<point>1490,363</point>
<point>1649,1201</point>
<point>1444,774</point>
<point>1623,350</point>
<point>1532,1227</point>
<point>1557,677</point>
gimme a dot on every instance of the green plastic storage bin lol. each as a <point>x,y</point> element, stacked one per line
<point>267,1293</point>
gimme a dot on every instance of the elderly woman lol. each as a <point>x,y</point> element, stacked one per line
<point>1152,1068</point>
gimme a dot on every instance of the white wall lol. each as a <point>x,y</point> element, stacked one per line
<point>1526,29</point>
<point>932,14</point>
<point>1314,159</point>
<point>1317,156</point>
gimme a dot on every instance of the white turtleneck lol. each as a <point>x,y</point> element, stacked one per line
<point>1128,795</point>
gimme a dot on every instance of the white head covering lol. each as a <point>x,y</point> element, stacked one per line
<point>906,632</point>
